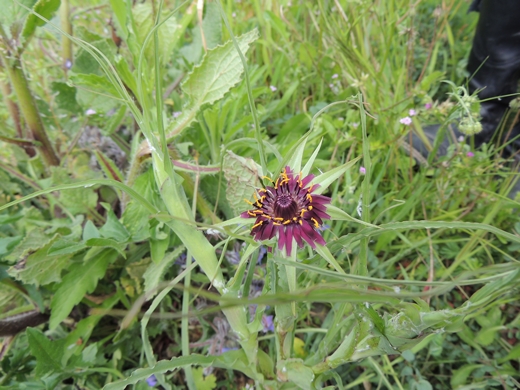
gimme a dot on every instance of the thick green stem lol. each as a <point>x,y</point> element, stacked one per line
<point>66,43</point>
<point>28,107</point>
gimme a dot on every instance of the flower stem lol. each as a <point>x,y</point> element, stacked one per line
<point>27,104</point>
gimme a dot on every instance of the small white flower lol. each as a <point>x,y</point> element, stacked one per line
<point>90,111</point>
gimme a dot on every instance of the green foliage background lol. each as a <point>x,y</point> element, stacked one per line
<point>121,190</point>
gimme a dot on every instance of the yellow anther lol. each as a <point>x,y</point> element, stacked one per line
<point>255,196</point>
<point>309,197</point>
<point>257,224</point>
<point>251,203</point>
<point>287,222</point>
<point>310,207</point>
<point>251,213</point>
<point>263,189</point>
<point>277,223</point>
<point>295,219</point>
<point>301,222</point>
<point>258,211</point>
<point>316,224</point>
<point>267,178</point>
<point>303,211</point>
<point>278,219</point>
<point>276,183</point>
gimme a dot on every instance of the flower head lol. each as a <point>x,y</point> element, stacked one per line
<point>289,210</point>
<point>412,112</point>
<point>406,120</point>
<point>470,154</point>
<point>362,170</point>
<point>267,323</point>
<point>273,88</point>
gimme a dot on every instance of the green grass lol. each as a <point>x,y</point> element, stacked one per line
<point>133,245</point>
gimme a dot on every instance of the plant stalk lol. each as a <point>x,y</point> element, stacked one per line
<point>28,107</point>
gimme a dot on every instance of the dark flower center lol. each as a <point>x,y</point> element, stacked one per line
<point>285,207</point>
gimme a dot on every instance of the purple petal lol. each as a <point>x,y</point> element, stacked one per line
<point>281,238</point>
<point>268,232</point>
<point>304,228</point>
<point>298,235</point>
<point>245,215</point>
<point>288,243</point>
<point>320,213</point>
<point>307,179</point>
<point>320,199</point>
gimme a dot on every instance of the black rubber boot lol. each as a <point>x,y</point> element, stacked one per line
<point>494,66</point>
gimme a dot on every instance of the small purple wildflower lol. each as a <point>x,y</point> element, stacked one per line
<point>355,125</point>
<point>177,114</point>
<point>335,76</point>
<point>470,154</point>
<point>406,120</point>
<point>227,349</point>
<point>261,253</point>
<point>268,324</point>
<point>362,170</point>
<point>273,88</point>
<point>331,85</point>
<point>68,64</point>
<point>90,111</point>
<point>428,106</point>
<point>412,112</point>
<point>151,381</point>
<point>290,210</point>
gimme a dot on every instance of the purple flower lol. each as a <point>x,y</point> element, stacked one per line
<point>412,112</point>
<point>470,154</point>
<point>90,111</point>
<point>406,120</point>
<point>289,210</point>
<point>177,114</point>
<point>227,349</point>
<point>335,76</point>
<point>355,125</point>
<point>152,381</point>
<point>268,324</point>
<point>362,170</point>
<point>273,88</point>
<point>428,106</point>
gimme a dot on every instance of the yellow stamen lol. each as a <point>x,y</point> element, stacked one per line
<point>301,212</point>
<point>301,222</point>
<point>268,178</point>
<point>277,223</point>
<point>258,211</point>
<point>310,207</point>
<point>251,203</point>
<point>310,188</point>
<point>287,222</point>
<point>309,197</point>
<point>257,224</point>
<point>316,224</point>
<point>251,213</point>
<point>278,219</point>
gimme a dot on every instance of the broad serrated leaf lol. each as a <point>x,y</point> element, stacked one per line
<point>136,217</point>
<point>41,268</point>
<point>204,382</point>
<point>33,241</point>
<point>13,15</point>
<point>144,20</point>
<point>114,229</point>
<point>65,97</point>
<point>242,178</point>
<point>212,27</point>
<point>45,8</point>
<point>48,353</point>
<point>220,70</point>
<point>82,279</point>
